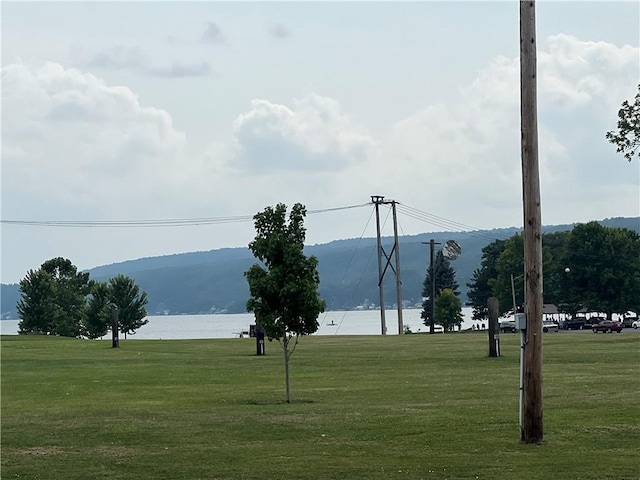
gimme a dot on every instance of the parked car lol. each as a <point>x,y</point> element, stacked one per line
<point>635,324</point>
<point>607,326</point>
<point>575,324</point>
<point>508,326</point>
<point>549,327</point>
<point>591,321</point>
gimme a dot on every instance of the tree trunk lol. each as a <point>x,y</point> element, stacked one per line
<point>285,347</point>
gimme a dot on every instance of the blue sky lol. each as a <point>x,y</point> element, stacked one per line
<point>153,110</point>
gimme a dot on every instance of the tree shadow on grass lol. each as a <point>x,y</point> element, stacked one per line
<point>274,401</point>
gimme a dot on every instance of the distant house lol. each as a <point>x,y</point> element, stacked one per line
<point>550,311</point>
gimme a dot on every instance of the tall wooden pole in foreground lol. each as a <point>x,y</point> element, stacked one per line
<point>532,431</point>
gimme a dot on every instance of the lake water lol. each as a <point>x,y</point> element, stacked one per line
<point>360,322</point>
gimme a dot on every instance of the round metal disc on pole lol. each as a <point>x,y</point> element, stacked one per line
<point>451,250</point>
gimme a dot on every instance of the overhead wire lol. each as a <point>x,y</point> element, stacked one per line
<point>344,274</point>
<point>406,210</point>
<point>170,222</point>
<point>448,224</point>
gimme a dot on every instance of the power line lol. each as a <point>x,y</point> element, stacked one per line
<point>171,222</point>
<point>448,224</point>
<point>344,274</point>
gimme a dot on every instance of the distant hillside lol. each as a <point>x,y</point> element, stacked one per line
<point>213,281</point>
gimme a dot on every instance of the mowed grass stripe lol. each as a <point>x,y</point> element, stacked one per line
<point>412,406</point>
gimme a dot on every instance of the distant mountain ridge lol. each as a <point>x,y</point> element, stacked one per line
<point>213,281</point>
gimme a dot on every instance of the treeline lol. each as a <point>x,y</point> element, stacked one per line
<point>591,267</point>
<point>348,275</point>
<point>213,281</point>
<point>56,299</point>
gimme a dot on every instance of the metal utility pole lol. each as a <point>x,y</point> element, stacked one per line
<point>532,431</point>
<point>395,252</point>
<point>523,341</point>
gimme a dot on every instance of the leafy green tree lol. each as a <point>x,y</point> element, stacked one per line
<point>510,262</point>
<point>482,279</point>
<point>604,268</point>
<point>504,258</point>
<point>592,267</point>
<point>126,295</point>
<point>445,277</point>
<point>627,137</point>
<point>36,306</point>
<point>57,293</point>
<point>98,318</point>
<point>554,260</point>
<point>448,309</point>
<point>284,289</point>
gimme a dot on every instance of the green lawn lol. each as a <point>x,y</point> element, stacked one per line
<point>410,407</point>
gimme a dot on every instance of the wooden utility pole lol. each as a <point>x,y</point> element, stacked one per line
<point>432,295</point>
<point>532,431</point>
<point>382,270</point>
<point>377,200</point>
<point>396,249</point>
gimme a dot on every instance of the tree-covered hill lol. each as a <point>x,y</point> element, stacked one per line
<point>213,281</point>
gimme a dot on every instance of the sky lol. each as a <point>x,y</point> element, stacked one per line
<point>139,111</point>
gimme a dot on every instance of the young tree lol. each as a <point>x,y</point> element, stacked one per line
<point>126,295</point>
<point>445,278</point>
<point>627,138</point>
<point>448,309</point>
<point>284,290</point>
<point>98,319</point>
<point>57,293</point>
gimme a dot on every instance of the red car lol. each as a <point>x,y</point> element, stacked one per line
<point>607,326</point>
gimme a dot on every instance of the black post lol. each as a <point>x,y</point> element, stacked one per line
<point>494,329</point>
<point>432,323</point>
<point>115,341</point>
<point>260,350</point>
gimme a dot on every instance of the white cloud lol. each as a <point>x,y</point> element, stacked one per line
<point>74,141</point>
<point>574,72</point>
<point>467,154</point>
<point>77,147</point>
<point>314,134</point>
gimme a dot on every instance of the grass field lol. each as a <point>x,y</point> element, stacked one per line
<point>364,407</point>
